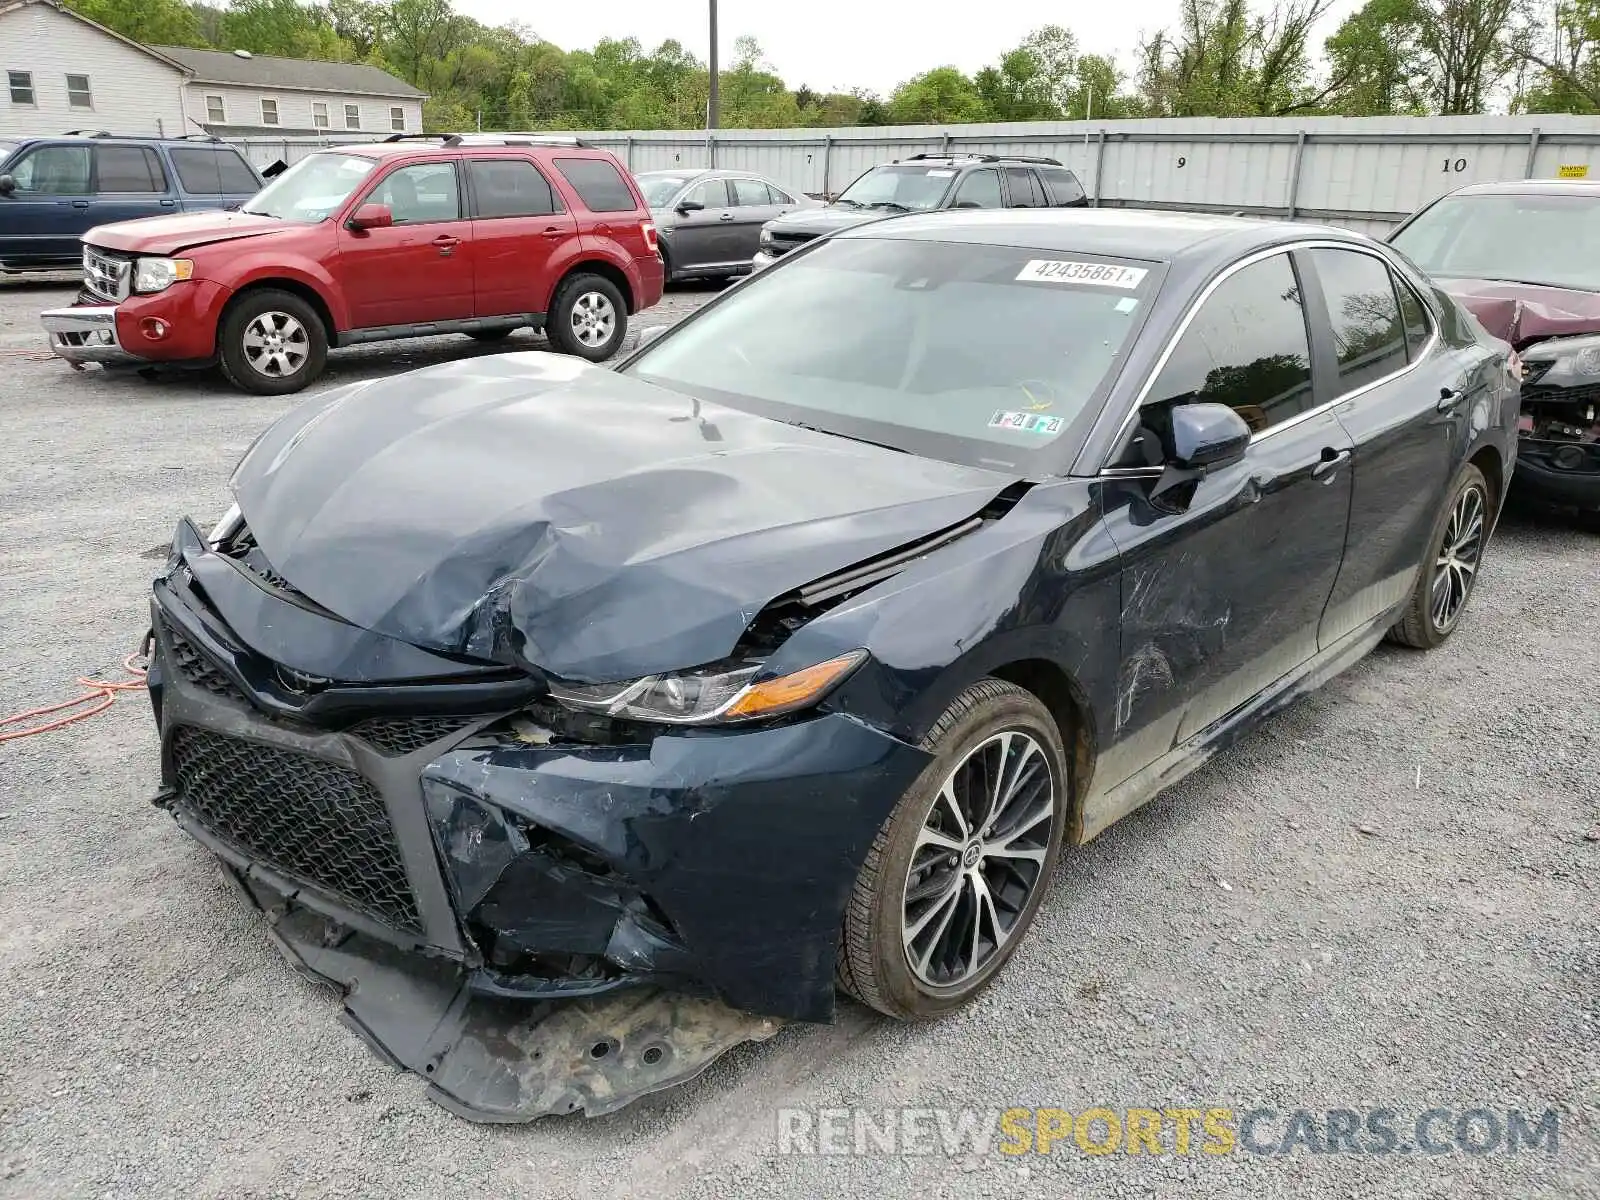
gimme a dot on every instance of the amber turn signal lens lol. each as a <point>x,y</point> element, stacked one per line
<point>787,692</point>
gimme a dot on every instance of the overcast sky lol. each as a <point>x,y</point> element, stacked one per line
<point>839,44</point>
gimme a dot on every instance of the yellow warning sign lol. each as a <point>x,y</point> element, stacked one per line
<point>1580,171</point>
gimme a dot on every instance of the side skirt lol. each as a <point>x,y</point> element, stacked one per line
<point>1102,810</point>
<point>385,333</point>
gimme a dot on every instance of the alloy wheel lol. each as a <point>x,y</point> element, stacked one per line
<point>1457,562</point>
<point>276,344</point>
<point>978,858</point>
<point>594,318</point>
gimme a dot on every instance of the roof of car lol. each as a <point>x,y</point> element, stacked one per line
<point>1534,187</point>
<point>1114,233</point>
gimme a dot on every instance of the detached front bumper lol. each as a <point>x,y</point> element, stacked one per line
<point>86,334</point>
<point>466,879</point>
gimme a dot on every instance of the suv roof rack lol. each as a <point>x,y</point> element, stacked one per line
<point>493,139</point>
<point>88,133</point>
<point>1049,162</point>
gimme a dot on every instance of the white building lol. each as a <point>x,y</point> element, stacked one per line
<point>61,71</point>
<point>240,94</point>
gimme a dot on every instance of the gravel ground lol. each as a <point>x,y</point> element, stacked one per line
<point>1241,942</point>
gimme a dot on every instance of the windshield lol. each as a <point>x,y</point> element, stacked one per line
<point>899,187</point>
<point>1527,238</point>
<point>6,148</point>
<point>659,189</point>
<point>313,189</point>
<point>990,356</point>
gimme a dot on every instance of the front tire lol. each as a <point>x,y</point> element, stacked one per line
<point>1450,571</point>
<point>589,318</point>
<point>957,872</point>
<point>271,343</point>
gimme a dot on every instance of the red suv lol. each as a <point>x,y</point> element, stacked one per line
<point>473,234</point>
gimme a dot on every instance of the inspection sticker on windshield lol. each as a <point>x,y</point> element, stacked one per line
<point>1025,422</point>
<point>940,174</point>
<point>1047,270</point>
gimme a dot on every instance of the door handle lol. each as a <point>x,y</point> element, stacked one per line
<point>445,242</point>
<point>168,203</point>
<point>1330,462</point>
<point>553,232</point>
<point>1449,398</point>
<point>80,204</point>
<point>725,217</point>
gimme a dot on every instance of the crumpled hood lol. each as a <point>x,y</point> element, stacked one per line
<point>820,221</point>
<point>535,510</point>
<point>180,231</point>
<point>1523,313</point>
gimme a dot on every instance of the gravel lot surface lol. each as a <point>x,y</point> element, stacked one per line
<point>1241,942</point>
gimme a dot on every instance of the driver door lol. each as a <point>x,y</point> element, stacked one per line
<point>701,236</point>
<point>419,270</point>
<point>1223,599</point>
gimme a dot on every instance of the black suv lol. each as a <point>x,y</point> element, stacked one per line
<point>924,182</point>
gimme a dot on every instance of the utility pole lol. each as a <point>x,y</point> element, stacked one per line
<point>711,105</point>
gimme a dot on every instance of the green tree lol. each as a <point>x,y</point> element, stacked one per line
<point>1228,60</point>
<point>1468,45</point>
<point>152,22</point>
<point>940,96</point>
<point>1564,55</point>
<point>1377,66</point>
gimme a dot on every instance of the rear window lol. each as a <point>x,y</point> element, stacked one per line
<point>1063,186</point>
<point>213,172</point>
<point>599,184</point>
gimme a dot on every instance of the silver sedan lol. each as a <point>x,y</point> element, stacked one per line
<point>709,221</point>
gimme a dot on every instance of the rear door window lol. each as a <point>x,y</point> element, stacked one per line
<point>1247,348</point>
<point>511,187</point>
<point>599,184</point>
<point>1025,189</point>
<point>750,193</point>
<point>1369,339</point>
<point>132,169</point>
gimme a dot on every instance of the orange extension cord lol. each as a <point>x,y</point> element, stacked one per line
<point>100,694</point>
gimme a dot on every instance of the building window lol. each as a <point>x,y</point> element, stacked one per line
<point>21,83</point>
<point>319,114</point>
<point>78,92</point>
<point>269,111</point>
<point>397,120</point>
<point>215,112</point>
<point>352,116</point>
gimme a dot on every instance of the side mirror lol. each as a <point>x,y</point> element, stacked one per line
<point>1205,436</point>
<point>371,216</point>
<point>685,207</point>
<point>7,185</point>
<point>649,334</point>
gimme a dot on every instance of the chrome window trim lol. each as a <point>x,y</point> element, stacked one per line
<point>1249,261</point>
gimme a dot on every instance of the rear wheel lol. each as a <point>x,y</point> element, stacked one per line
<point>1450,570</point>
<point>955,875</point>
<point>589,318</point>
<point>271,343</point>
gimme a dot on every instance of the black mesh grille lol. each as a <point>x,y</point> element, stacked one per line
<point>312,820</point>
<point>403,735</point>
<point>187,660</point>
<point>1584,394</point>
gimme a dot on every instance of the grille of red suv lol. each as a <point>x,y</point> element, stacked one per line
<point>314,821</point>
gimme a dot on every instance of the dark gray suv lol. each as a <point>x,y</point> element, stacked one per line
<point>924,182</point>
<point>708,222</point>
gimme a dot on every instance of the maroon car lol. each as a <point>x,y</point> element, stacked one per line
<point>1524,258</point>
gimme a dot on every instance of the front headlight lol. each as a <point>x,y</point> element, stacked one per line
<point>699,697</point>
<point>766,237</point>
<point>1571,361</point>
<point>158,274</point>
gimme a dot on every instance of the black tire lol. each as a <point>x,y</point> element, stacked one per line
<point>874,963</point>
<point>491,335</point>
<point>307,355</point>
<point>581,290</point>
<point>666,266</point>
<point>1421,627</point>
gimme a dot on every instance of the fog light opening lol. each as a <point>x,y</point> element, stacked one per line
<point>155,328</point>
<point>599,1049</point>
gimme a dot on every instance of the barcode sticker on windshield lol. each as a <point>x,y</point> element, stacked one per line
<point>1046,270</point>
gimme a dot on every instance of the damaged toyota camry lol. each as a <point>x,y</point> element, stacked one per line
<point>579,724</point>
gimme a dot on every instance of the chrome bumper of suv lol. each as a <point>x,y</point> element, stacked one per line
<point>85,335</point>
